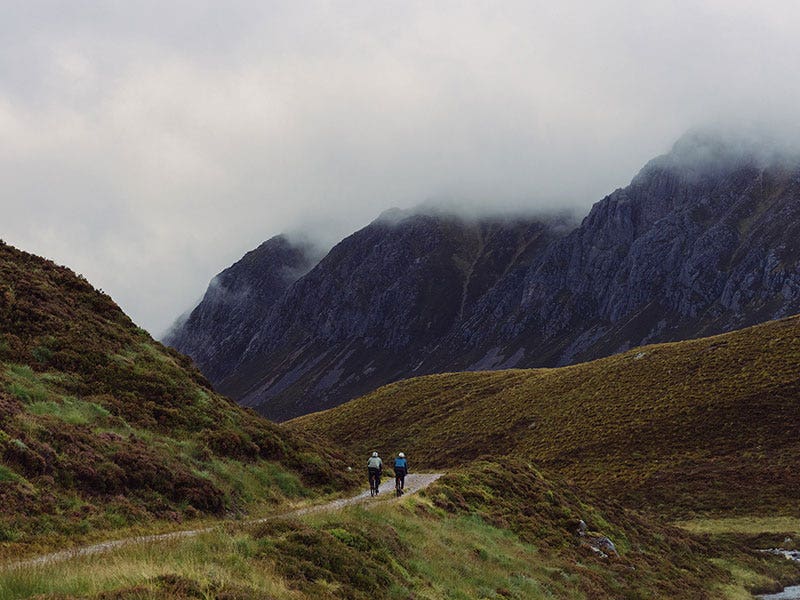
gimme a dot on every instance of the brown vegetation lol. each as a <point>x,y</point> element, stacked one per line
<point>486,531</point>
<point>103,427</point>
<point>703,426</point>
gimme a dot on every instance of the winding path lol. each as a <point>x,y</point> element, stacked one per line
<point>414,483</point>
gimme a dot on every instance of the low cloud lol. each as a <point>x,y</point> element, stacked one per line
<point>149,145</point>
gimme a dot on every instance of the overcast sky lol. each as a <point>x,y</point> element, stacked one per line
<point>149,144</point>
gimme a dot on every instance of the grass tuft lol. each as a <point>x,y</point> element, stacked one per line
<point>70,410</point>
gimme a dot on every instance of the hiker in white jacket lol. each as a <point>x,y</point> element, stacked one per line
<point>374,468</point>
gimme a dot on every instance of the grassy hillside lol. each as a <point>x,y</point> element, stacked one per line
<point>101,427</point>
<point>489,531</point>
<point>708,426</point>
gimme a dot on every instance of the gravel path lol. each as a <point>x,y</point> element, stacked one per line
<point>414,483</point>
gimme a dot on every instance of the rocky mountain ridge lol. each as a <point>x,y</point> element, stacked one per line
<point>702,241</point>
<point>380,300</point>
<point>677,254</point>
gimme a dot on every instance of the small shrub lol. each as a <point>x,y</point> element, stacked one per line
<point>226,442</point>
<point>8,533</point>
<point>42,354</point>
<point>346,557</point>
<point>179,587</point>
<point>7,474</point>
<point>21,372</point>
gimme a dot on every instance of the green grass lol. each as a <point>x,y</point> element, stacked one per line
<point>689,428</point>
<point>465,538</point>
<point>360,554</point>
<point>743,525</point>
<point>7,474</point>
<point>26,385</point>
<point>42,354</point>
<point>465,557</point>
<point>744,581</point>
<point>203,566</point>
<point>262,483</point>
<point>70,410</point>
<point>751,533</point>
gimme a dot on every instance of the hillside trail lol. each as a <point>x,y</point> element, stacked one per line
<point>414,483</point>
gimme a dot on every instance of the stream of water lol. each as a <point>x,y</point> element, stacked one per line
<point>791,592</point>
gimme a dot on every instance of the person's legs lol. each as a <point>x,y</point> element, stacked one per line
<point>373,480</point>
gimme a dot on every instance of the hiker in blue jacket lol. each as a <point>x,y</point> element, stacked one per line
<point>400,472</point>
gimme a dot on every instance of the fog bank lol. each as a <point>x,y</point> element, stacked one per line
<point>149,145</point>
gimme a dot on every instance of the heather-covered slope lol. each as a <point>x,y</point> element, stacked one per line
<point>216,333</point>
<point>485,531</point>
<point>375,306</point>
<point>708,425</point>
<point>102,427</point>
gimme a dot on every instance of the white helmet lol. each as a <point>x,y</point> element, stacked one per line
<point>374,454</point>
<point>401,455</point>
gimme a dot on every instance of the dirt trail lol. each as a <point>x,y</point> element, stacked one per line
<point>414,483</point>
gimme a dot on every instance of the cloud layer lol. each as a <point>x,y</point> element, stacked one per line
<point>148,145</point>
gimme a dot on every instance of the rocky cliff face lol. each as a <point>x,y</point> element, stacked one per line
<point>703,240</point>
<point>379,302</point>
<point>216,333</point>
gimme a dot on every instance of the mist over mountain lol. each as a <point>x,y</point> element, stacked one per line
<point>176,139</point>
<point>703,240</point>
<point>241,294</point>
<point>379,301</point>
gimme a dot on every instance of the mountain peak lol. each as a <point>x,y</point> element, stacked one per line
<point>718,151</point>
<point>242,291</point>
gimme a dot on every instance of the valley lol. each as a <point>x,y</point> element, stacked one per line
<point>544,257</point>
<point>490,530</point>
<point>653,471</point>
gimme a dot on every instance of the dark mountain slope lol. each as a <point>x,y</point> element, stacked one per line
<point>378,302</point>
<point>102,427</point>
<point>216,333</point>
<point>708,425</point>
<point>704,240</point>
